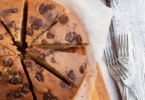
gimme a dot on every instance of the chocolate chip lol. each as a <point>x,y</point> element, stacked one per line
<point>63,85</point>
<point>70,75</point>
<point>36,23</point>
<point>49,36</point>
<point>64,20</point>
<point>12,81</point>
<point>14,10</point>
<point>69,38</point>
<point>47,96</point>
<point>49,6</point>
<point>81,69</point>
<point>35,27</point>
<point>53,98</point>
<point>41,71</point>
<point>15,81</point>
<point>25,89</point>
<point>77,39</point>
<point>18,80</point>
<point>0,73</point>
<point>1,37</point>
<point>41,9</point>
<point>36,66</point>
<point>74,33</point>
<point>52,60</point>
<point>12,24</point>
<point>9,62</point>
<point>41,55</point>
<point>27,64</point>
<point>29,32</point>
<point>49,16</point>
<point>17,95</point>
<point>9,94</point>
<point>10,72</point>
<point>44,42</point>
<point>39,77</point>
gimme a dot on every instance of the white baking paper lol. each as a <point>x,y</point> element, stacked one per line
<point>95,18</point>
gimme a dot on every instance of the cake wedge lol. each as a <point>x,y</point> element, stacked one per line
<point>46,85</point>
<point>69,66</point>
<point>13,81</point>
<point>67,33</point>
<point>42,14</point>
<point>11,13</point>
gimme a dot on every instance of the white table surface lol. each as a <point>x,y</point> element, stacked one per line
<point>129,16</point>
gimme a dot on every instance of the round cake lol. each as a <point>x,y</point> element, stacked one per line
<point>35,40</point>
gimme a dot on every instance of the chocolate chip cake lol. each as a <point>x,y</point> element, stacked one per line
<point>66,33</point>
<point>41,15</point>
<point>30,66</point>
<point>46,85</point>
<point>11,13</point>
<point>13,82</point>
<point>69,65</point>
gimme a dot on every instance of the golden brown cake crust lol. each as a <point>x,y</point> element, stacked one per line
<point>46,85</point>
<point>13,82</point>
<point>40,15</point>
<point>66,31</point>
<point>11,14</point>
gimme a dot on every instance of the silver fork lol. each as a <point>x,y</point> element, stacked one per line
<point>124,74</point>
<point>127,79</point>
<point>123,49</point>
<point>111,69</point>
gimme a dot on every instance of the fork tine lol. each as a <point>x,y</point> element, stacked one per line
<point>127,46</point>
<point>106,58</point>
<point>121,45</point>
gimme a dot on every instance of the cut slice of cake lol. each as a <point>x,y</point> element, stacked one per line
<point>47,86</point>
<point>13,81</point>
<point>66,33</point>
<point>6,39</point>
<point>11,13</point>
<point>41,15</point>
<point>67,65</point>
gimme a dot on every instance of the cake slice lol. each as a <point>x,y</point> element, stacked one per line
<point>66,33</point>
<point>70,66</point>
<point>41,15</point>
<point>47,86</point>
<point>11,13</point>
<point>6,40</point>
<point>13,81</point>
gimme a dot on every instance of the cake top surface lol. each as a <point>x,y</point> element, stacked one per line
<point>46,85</point>
<point>66,31</point>
<point>11,14</point>
<point>70,65</point>
<point>40,15</point>
<point>13,82</point>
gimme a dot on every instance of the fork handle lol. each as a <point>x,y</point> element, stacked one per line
<point>137,96</point>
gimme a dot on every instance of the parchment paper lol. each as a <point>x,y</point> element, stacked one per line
<point>95,17</point>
